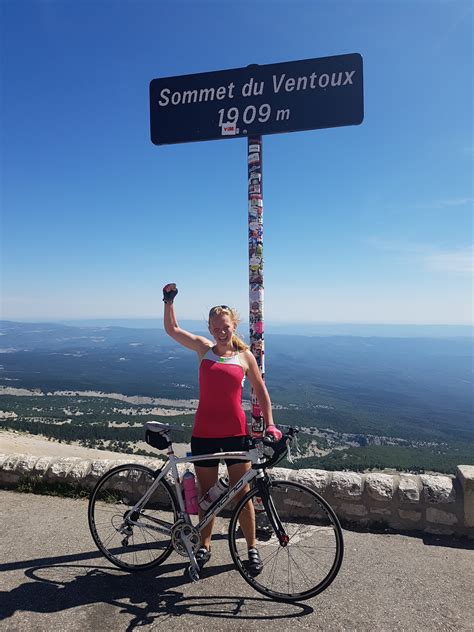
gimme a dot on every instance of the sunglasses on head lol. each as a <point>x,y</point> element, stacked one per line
<point>220,307</point>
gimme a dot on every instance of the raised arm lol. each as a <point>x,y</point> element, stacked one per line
<point>183,337</point>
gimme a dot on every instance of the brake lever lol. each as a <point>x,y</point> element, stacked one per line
<point>292,439</point>
<point>288,438</point>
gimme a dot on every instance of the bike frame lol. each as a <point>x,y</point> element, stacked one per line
<point>254,472</point>
<point>172,466</point>
<point>185,538</point>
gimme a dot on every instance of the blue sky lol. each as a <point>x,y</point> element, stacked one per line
<point>369,224</point>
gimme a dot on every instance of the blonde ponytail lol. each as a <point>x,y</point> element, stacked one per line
<point>239,344</point>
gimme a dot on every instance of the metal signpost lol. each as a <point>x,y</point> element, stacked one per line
<point>249,102</point>
<point>255,200</point>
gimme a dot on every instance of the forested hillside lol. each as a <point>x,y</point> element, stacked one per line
<point>416,390</point>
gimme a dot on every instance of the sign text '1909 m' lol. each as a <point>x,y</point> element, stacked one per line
<point>262,114</point>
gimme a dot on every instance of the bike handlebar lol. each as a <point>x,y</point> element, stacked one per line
<point>279,447</point>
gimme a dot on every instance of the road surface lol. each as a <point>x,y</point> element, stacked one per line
<point>54,579</point>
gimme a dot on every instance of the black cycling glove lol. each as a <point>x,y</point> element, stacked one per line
<point>169,296</point>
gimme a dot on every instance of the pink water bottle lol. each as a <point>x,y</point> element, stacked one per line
<point>190,493</point>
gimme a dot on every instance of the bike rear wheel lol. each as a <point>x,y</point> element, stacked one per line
<point>308,561</point>
<point>132,541</point>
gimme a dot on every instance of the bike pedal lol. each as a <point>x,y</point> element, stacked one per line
<point>193,574</point>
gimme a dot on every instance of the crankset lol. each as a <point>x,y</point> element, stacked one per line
<point>181,531</point>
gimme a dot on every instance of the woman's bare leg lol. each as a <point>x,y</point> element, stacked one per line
<point>247,515</point>
<point>207,477</point>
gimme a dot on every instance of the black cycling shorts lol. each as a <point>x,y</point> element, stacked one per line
<point>201,445</point>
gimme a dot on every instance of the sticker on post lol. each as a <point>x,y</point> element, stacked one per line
<point>229,129</point>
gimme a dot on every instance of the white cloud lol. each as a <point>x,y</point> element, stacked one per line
<point>445,203</point>
<point>428,256</point>
<point>459,262</point>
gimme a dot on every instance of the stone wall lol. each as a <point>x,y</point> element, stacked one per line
<point>436,504</point>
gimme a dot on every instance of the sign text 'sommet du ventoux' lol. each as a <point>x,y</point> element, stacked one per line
<point>270,99</point>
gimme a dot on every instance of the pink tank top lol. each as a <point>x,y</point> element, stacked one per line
<point>220,413</point>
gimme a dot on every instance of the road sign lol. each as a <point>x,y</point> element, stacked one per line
<point>256,100</point>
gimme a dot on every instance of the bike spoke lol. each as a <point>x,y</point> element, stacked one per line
<point>290,574</point>
<point>134,552</point>
<point>314,559</point>
<point>111,536</point>
<point>308,561</point>
<point>290,555</point>
<point>149,546</point>
<point>147,542</point>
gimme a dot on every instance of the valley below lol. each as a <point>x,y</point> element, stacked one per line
<point>359,402</point>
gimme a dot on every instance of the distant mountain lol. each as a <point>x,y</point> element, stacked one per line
<point>295,328</point>
<point>52,336</point>
<point>408,387</point>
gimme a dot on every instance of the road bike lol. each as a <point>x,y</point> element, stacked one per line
<point>137,517</point>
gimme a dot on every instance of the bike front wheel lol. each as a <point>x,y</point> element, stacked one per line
<point>307,556</point>
<point>132,540</point>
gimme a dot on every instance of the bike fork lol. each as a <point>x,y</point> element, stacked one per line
<point>263,485</point>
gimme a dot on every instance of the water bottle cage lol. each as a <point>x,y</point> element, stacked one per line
<point>210,508</point>
<point>213,495</point>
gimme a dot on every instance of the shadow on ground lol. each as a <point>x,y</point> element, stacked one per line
<point>62,583</point>
<point>453,542</point>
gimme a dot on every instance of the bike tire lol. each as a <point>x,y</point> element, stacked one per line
<point>129,546</point>
<point>313,554</point>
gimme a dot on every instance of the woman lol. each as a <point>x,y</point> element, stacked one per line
<point>220,423</point>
